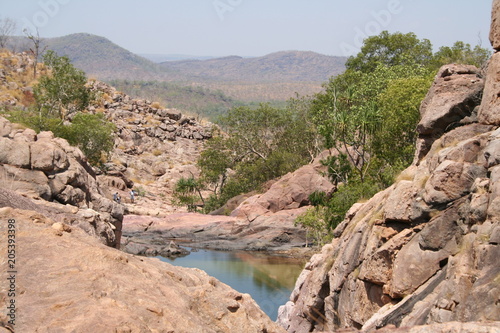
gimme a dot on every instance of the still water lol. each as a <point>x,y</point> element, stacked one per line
<point>268,279</point>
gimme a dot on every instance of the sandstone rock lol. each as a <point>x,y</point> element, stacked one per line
<point>454,94</point>
<point>5,127</point>
<point>450,181</point>
<point>30,182</point>
<point>378,268</point>
<point>451,327</point>
<point>72,196</point>
<point>405,203</point>
<point>492,153</point>
<point>173,114</point>
<point>61,227</point>
<point>495,25</point>
<point>494,198</point>
<point>45,135</point>
<point>116,290</point>
<point>48,157</point>
<point>456,91</point>
<point>15,153</point>
<point>388,267</point>
<point>489,112</point>
<point>290,192</point>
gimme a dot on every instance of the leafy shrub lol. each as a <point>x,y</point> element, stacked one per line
<point>315,221</point>
<point>92,133</point>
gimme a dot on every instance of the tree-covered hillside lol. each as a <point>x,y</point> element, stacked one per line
<point>366,117</point>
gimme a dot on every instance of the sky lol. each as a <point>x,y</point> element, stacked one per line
<point>252,27</point>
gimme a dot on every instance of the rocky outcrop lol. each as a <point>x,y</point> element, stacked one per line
<point>455,93</point>
<point>154,148</point>
<point>489,112</point>
<point>67,282</point>
<point>152,236</point>
<point>433,260</point>
<point>292,191</point>
<point>424,251</point>
<point>495,26</point>
<point>450,327</point>
<point>52,172</point>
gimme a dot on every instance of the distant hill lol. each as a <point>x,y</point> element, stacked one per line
<point>158,58</point>
<point>100,57</point>
<point>285,66</point>
<point>223,82</point>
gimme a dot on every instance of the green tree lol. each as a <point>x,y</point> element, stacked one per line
<point>391,50</point>
<point>59,99</point>
<point>399,108</point>
<point>92,133</point>
<point>461,53</point>
<point>187,192</point>
<point>255,145</point>
<point>368,116</point>
<point>315,221</point>
<point>64,91</point>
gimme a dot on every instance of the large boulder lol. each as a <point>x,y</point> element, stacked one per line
<point>489,112</point>
<point>495,25</point>
<point>455,92</point>
<point>5,127</point>
<point>15,152</point>
<point>292,191</point>
<point>47,156</point>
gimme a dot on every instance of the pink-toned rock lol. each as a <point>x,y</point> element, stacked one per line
<point>46,156</point>
<point>489,111</point>
<point>33,183</point>
<point>289,192</point>
<point>405,203</point>
<point>5,127</point>
<point>450,180</point>
<point>456,91</point>
<point>15,153</point>
<point>454,94</point>
<point>88,287</point>
<point>251,208</point>
<point>495,25</point>
<point>293,190</point>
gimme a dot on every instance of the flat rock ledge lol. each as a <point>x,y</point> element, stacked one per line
<point>67,281</point>
<point>151,236</point>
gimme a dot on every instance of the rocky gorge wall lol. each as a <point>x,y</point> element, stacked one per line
<point>56,175</point>
<point>426,250</point>
<point>154,148</point>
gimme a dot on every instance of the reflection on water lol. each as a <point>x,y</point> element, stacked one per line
<point>268,279</point>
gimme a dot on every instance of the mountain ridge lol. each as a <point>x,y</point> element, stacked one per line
<point>273,78</point>
<point>97,55</point>
<point>294,66</point>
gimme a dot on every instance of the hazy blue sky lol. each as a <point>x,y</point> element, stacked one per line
<point>252,27</point>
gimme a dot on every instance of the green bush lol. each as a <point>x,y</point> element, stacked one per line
<point>92,133</point>
<point>315,221</point>
<point>59,99</point>
<point>187,192</point>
